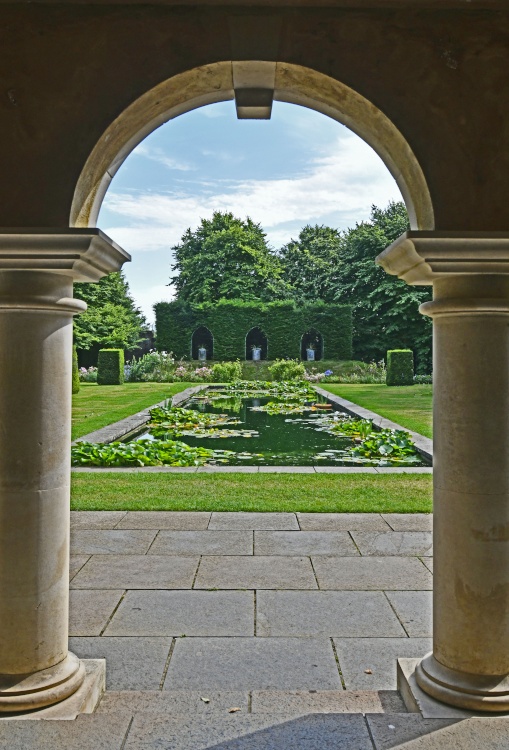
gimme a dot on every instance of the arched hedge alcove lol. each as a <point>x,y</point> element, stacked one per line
<point>256,338</point>
<point>312,339</point>
<point>202,336</point>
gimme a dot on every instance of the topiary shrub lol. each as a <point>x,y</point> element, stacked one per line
<point>400,367</point>
<point>226,372</point>
<point>75,371</point>
<point>110,367</point>
<point>287,369</point>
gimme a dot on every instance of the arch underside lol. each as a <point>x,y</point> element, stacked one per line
<point>215,83</point>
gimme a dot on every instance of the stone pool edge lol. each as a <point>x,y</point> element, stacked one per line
<point>119,429</point>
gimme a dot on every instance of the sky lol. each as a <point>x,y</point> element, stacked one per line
<point>298,168</point>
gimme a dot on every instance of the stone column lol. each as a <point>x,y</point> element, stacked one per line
<point>37,269</point>
<point>469,666</point>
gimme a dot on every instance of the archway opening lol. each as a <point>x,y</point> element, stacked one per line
<point>311,346</point>
<point>257,344</point>
<point>202,344</point>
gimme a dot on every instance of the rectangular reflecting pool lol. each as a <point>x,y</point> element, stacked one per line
<point>261,428</point>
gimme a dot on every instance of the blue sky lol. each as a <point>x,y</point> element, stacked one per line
<point>298,168</point>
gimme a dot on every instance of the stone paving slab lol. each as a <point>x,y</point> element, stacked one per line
<point>415,611</point>
<point>165,519</point>
<point>203,543</point>
<point>111,542</point>
<point>302,702</point>
<point>89,611</point>
<point>87,732</point>
<point>250,732</point>
<point>136,572</point>
<point>173,702</point>
<point>411,732</point>
<point>327,613</point>
<point>378,655</point>
<point>76,562</point>
<point>190,613</point>
<point>253,664</point>
<point>342,522</point>
<point>371,573</point>
<point>96,519</point>
<point>131,663</point>
<point>409,521</point>
<point>256,573</point>
<point>394,542</point>
<point>304,543</point>
<point>252,521</point>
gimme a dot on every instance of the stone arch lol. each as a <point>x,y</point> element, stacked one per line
<point>202,336</point>
<point>214,83</point>
<point>256,336</point>
<point>312,338</point>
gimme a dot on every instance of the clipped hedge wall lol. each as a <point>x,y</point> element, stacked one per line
<point>75,371</point>
<point>230,320</point>
<point>400,367</point>
<point>110,367</point>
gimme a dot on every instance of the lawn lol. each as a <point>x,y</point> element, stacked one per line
<point>96,406</point>
<point>409,406</point>
<point>320,493</point>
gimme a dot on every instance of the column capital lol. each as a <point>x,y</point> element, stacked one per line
<point>423,257</point>
<point>81,254</point>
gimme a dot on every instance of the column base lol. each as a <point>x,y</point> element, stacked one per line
<point>44,688</point>
<point>436,692</point>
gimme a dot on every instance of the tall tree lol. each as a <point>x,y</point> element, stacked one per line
<point>112,318</point>
<point>385,310</point>
<point>226,258</point>
<point>311,263</point>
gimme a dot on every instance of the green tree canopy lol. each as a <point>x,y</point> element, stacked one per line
<point>112,318</point>
<point>311,264</point>
<point>385,309</point>
<point>226,258</point>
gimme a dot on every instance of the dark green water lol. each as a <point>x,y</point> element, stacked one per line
<point>283,440</point>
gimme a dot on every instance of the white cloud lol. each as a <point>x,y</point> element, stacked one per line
<point>158,155</point>
<point>343,185</point>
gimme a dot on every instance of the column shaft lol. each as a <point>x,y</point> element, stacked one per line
<point>35,417</point>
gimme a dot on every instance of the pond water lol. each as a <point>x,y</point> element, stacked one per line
<point>299,439</point>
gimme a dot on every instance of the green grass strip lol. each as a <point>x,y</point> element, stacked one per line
<point>411,406</point>
<point>96,406</point>
<point>311,493</point>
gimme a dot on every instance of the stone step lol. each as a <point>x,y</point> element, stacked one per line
<point>289,702</point>
<point>151,730</point>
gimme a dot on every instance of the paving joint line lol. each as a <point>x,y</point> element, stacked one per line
<point>253,542</point>
<point>124,741</point>
<point>196,574</point>
<point>153,540</point>
<point>397,616</point>
<point>115,609</point>
<point>355,544</point>
<point>298,521</point>
<point>250,702</point>
<point>167,663</point>
<point>82,566</point>
<point>255,603</point>
<point>338,665</point>
<point>370,733</point>
<point>121,519</point>
<point>314,572</point>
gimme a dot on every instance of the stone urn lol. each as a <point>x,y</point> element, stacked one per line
<point>257,353</point>
<point>310,355</point>
<point>202,354</point>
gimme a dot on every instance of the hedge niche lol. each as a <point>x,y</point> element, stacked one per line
<point>400,367</point>
<point>110,367</point>
<point>229,321</point>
